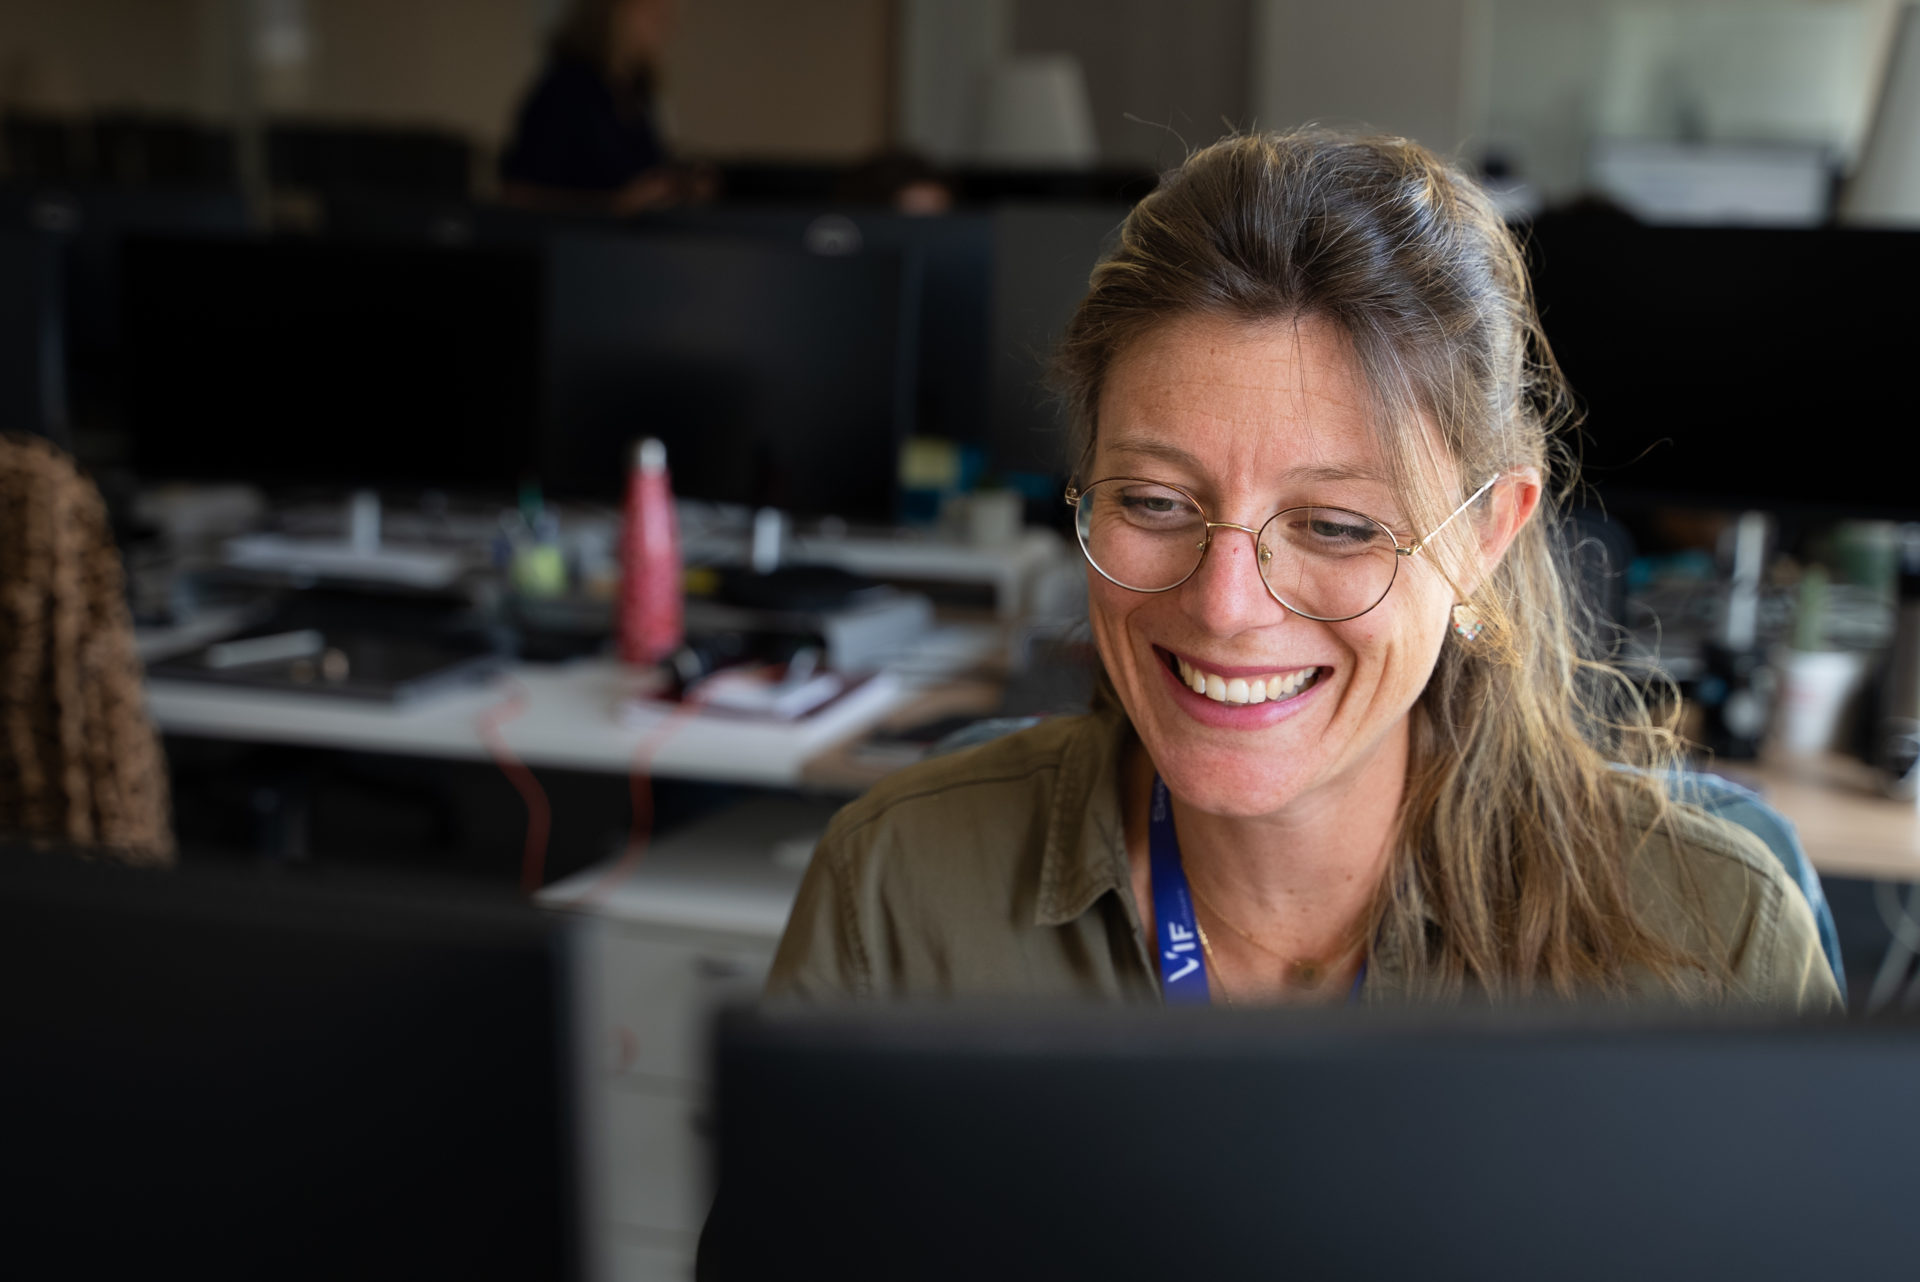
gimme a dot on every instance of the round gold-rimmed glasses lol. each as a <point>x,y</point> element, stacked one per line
<point>1323,563</point>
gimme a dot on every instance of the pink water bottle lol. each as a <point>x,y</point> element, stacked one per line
<point>650,603</point>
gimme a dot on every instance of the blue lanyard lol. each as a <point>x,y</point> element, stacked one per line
<point>1183,963</point>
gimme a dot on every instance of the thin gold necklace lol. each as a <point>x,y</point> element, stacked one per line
<point>1309,972</point>
<point>1213,966</point>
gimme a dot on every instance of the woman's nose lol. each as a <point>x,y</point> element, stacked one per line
<point>1227,593</point>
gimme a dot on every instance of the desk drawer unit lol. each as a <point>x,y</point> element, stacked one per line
<point>650,994</point>
<point>657,993</point>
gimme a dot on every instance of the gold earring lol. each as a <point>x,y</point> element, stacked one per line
<point>1466,622</point>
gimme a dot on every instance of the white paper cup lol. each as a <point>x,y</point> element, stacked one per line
<point>1815,688</point>
<point>993,517</point>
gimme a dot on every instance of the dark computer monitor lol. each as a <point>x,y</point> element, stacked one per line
<point>90,228</point>
<point>33,375</point>
<point>401,218</point>
<point>311,364</point>
<point>320,156</point>
<point>952,257</point>
<point>1736,367</point>
<point>1044,255</point>
<point>1047,1144</point>
<point>226,1073</point>
<point>775,377</point>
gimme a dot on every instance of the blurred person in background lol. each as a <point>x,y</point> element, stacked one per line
<point>1348,744</point>
<point>587,136</point>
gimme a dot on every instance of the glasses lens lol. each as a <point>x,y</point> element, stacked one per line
<point>1142,536</point>
<point>1326,562</point>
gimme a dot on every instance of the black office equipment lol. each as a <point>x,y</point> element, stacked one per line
<point>1043,1143</point>
<point>1736,367</point>
<point>318,156</point>
<point>404,218</point>
<point>91,228</point>
<point>33,374</point>
<point>217,1074</point>
<point>776,377</point>
<point>135,148</point>
<point>1044,255</point>
<point>43,147</point>
<point>951,256</point>
<point>294,364</point>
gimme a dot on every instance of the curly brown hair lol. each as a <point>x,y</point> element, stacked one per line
<point>79,761</point>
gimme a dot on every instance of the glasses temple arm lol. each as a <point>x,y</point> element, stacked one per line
<point>1435,531</point>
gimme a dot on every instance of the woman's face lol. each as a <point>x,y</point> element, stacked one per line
<point>642,30</point>
<point>1251,419</point>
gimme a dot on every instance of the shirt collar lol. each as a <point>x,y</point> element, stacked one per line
<point>1085,854</point>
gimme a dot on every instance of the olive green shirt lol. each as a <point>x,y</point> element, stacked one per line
<point>1003,870</point>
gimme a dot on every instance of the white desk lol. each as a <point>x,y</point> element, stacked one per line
<point>571,720</point>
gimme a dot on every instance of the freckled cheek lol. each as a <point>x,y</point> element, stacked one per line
<point>1110,610</point>
<point>1390,660</point>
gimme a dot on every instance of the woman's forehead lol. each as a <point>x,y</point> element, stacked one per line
<point>1223,392</point>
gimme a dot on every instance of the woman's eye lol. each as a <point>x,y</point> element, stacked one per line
<point>1335,534</point>
<point>1158,506</point>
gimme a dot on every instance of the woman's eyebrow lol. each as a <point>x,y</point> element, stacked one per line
<point>1165,452</point>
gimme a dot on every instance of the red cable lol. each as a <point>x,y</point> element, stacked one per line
<point>640,789</point>
<point>533,855</point>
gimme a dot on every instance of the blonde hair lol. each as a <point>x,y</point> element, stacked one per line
<point>1516,833</point>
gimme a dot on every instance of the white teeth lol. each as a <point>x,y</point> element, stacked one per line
<point>1241,689</point>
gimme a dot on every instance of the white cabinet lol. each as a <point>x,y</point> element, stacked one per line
<point>691,926</point>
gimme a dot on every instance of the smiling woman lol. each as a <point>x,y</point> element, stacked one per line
<point>1346,746</point>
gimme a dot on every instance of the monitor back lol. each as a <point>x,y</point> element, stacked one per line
<point>32,338</point>
<point>775,377</point>
<point>242,1075</point>
<point>1735,367</point>
<point>1153,1144</point>
<point>290,363</point>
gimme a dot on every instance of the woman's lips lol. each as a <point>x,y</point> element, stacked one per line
<point>1240,686</point>
<point>1224,714</point>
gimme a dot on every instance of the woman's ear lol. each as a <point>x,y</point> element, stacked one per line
<point>1510,504</point>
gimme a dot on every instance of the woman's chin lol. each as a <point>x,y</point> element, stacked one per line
<point>1220,783</point>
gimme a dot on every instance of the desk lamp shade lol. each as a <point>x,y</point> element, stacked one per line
<point>1034,111</point>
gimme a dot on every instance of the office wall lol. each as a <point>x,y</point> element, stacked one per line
<point>1180,68</point>
<point>777,78</point>
<point>76,55</point>
<point>1404,66</point>
<point>943,47</point>
<point>1160,77</point>
<point>782,79</point>
<point>457,64</point>
<point>453,64</point>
